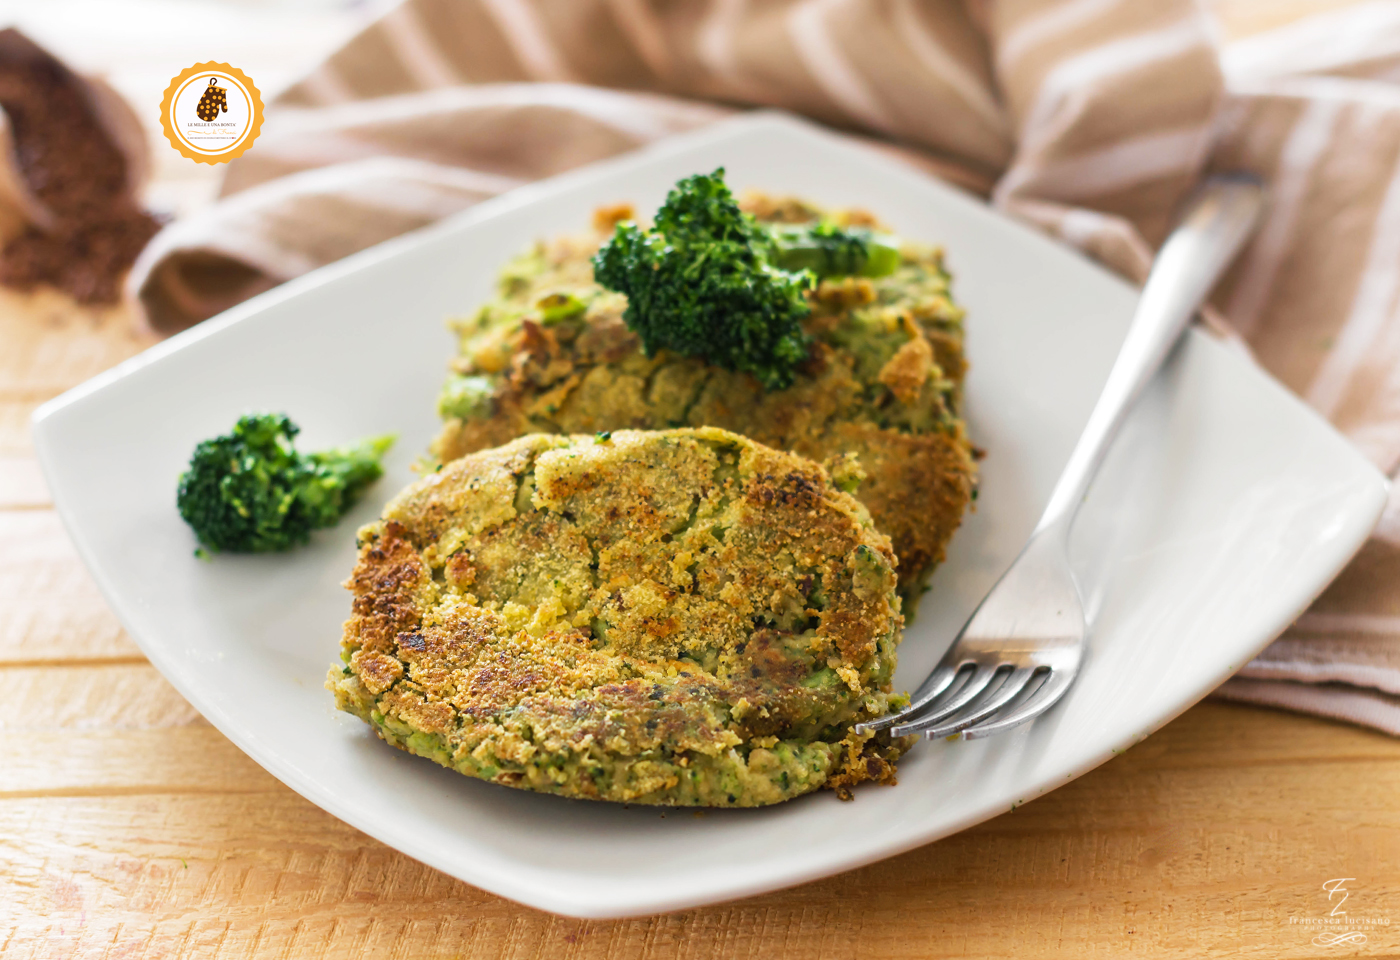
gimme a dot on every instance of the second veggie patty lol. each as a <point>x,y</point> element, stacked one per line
<point>552,354</point>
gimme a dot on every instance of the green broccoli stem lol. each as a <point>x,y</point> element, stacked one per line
<point>831,251</point>
<point>349,469</point>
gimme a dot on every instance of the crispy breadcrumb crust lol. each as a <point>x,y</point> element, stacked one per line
<point>883,379</point>
<point>682,617</point>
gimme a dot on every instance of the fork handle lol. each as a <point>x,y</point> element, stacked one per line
<point>1219,218</point>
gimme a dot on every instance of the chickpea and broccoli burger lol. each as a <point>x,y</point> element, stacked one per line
<point>677,617</point>
<point>808,330</point>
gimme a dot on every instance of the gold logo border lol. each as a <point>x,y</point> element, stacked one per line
<point>254,120</point>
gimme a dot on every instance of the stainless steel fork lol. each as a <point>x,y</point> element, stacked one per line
<point>1022,647</point>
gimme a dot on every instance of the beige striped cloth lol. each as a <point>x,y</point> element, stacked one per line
<point>1089,118</point>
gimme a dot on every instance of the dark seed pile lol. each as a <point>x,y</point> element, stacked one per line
<point>77,172</point>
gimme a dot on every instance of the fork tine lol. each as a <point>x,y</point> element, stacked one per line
<point>1015,682</point>
<point>934,687</point>
<point>1037,703</point>
<point>976,683</point>
<point>936,684</point>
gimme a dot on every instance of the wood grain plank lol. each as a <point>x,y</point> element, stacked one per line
<point>22,485</point>
<point>15,413</point>
<point>1252,736</point>
<point>105,697</point>
<point>172,760</point>
<point>50,610</point>
<point>1139,857</point>
<point>52,344</point>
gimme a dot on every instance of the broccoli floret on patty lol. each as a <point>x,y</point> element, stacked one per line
<point>251,492</point>
<point>701,283</point>
<point>710,281</point>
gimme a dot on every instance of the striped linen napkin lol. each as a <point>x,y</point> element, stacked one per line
<point>1089,118</point>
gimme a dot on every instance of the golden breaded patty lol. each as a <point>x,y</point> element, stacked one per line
<point>550,353</point>
<point>677,617</point>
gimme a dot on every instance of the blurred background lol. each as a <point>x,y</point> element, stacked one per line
<point>138,45</point>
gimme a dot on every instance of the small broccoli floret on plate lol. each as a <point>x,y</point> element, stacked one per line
<point>250,491</point>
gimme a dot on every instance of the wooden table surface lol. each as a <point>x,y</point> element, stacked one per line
<point>129,827</point>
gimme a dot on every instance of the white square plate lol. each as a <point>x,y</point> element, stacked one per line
<point>1223,511</point>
